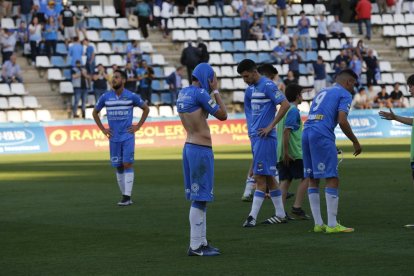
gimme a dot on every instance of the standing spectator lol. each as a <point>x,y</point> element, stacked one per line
<point>342,66</point>
<point>25,10</point>
<point>190,57</point>
<point>11,71</point>
<point>288,38</point>
<point>281,10</point>
<point>397,98</point>
<point>80,25</point>
<point>79,81</point>
<point>204,55</point>
<point>145,77</point>
<point>303,32</point>
<point>361,100</point>
<point>41,15</point>
<point>7,8</point>
<point>166,13</point>
<point>382,6</point>
<point>174,81</point>
<point>58,6</point>
<point>322,31</point>
<point>22,33</point>
<point>372,67</point>
<point>293,59</point>
<point>236,4</point>
<point>144,13</point>
<point>290,78</point>
<point>360,49</point>
<point>90,56</point>
<point>269,31</point>
<point>100,81</point>
<point>67,22</point>
<point>219,7</point>
<point>336,7</point>
<point>50,11</point>
<point>75,51</point>
<point>133,52</point>
<point>278,54</point>
<point>50,34</point>
<point>356,65</point>
<point>35,32</point>
<point>319,72</point>
<point>363,10</point>
<point>246,18</point>
<point>8,43</point>
<point>383,99</point>
<point>131,81</point>
<point>336,28</point>
<point>258,8</point>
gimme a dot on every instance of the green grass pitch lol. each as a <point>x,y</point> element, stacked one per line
<point>58,216</point>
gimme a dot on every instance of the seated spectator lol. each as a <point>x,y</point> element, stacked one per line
<point>372,96</point>
<point>397,98</point>
<point>336,28</point>
<point>258,8</point>
<point>348,46</point>
<point>131,82</point>
<point>372,67</point>
<point>319,72</point>
<point>293,59</point>
<point>287,38</point>
<point>303,32</point>
<point>236,4</point>
<point>256,30</point>
<point>11,71</point>
<point>278,54</point>
<point>342,66</point>
<point>174,81</point>
<point>383,99</point>
<point>290,78</point>
<point>360,50</point>
<point>356,65</point>
<point>133,52</point>
<point>22,33</point>
<point>269,31</point>
<point>339,58</point>
<point>361,100</point>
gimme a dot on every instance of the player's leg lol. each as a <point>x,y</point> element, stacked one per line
<point>250,184</point>
<point>285,180</point>
<point>296,171</point>
<point>277,199</point>
<point>258,198</point>
<point>115,151</point>
<point>128,149</point>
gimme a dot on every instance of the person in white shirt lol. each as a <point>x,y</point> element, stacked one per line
<point>166,12</point>
<point>8,43</point>
<point>361,100</point>
<point>336,28</point>
<point>322,32</point>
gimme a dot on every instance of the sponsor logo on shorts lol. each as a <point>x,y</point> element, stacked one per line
<point>115,159</point>
<point>307,170</point>
<point>260,166</point>
<point>195,187</point>
<point>321,166</point>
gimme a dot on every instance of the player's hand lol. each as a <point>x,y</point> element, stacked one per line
<point>357,148</point>
<point>287,159</point>
<point>133,128</point>
<point>107,132</point>
<point>213,83</point>
<point>263,132</point>
<point>387,115</point>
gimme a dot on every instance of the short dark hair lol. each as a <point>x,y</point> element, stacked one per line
<point>410,80</point>
<point>292,92</point>
<point>361,89</point>
<point>267,69</point>
<point>246,65</point>
<point>349,73</point>
<point>122,73</point>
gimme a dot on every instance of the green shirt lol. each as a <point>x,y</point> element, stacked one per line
<point>412,142</point>
<point>292,121</point>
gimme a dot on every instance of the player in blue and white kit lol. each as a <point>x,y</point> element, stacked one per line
<point>119,104</point>
<point>329,107</point>
<point>193,105</point>
<point>263,96</point>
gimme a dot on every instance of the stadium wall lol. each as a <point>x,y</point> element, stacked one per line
<point>76,136</point>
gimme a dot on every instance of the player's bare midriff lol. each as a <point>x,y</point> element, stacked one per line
<point>195,124</point>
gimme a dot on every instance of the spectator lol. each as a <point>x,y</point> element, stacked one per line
<point>219,7</point>
<point>293,59</point>
<point>356,65</point>
<point>109,76</point>
<point>287,38</point>
<point>281,10</point>
<point>50,11</point>
<point>382,6</point>
<point>35,31</point>
<point>144,13</point>
<point>397,98</point>
<point>100,81</point>
<point>348,46</point>
<point>398,6</point>
<point>278,54</point>
<point>90,56</point>
<point>67,22</point>
<point>174,81</point>
<point>319,72</point>
<point>322,31</point>
<point>131,82</point>
<point>363,10</point>
<point>360,49</point>
<point>133,52</point>
<point>342,57</point>
<point>7,8</point>
<point>79,81</point>
<point>22,33</point>
<point>8,43</point>
<point>303,32</point>
<point>336,28</point>
<point>256,31</point>
<point>258,8</point>
<point>372,96</point>
<point>75,51</point>
<point>50,34</point>
<point>336,7</point>
<point>342,66</point>
<point>190,57</point>
<point>41,15</point>
<point>383,99</point>
<point>80,25</point>
<point>58,6</point>
<point>145,76</point>
<point>269,31</point>
<point>25,10</point>
<point>204,55</point>
<point>166,13</point>
<point>246,18</point>
<point>236,5</point>
<point>11,71</point>
<point>361,100</point>
<point>290,78</point>
<point>410,6</point>
<point>372,67</point>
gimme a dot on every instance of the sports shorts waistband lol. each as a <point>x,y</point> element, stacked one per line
<point>209,147</point>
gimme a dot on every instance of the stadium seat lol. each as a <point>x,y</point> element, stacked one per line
<point>226,84</point>
<point>109,23</point>
<point>134,35</point>
<point>400,30</point>
<point>204,23</point>
<point>215,59</point>
<point>30,102</point>
<point>228,46</point>
<point>104,48</point>
<point>43,62</point>
<point>387,19</point>
<point>43,115</point>
<point>29,116</point>
<point>263,45</point>
<point>252,56</point>
<point>227,58</point>
<point>409,18</point>
<point>166,111</point>
<point>227,34</point>
<point>97,11</point>
<point>58,61</point>
<point>400,78</point>
<point>240,46</point>
<point>101,59</point>
<point>203,34</point>
<point>116,59</point>
<point>238,57</point>
<point>156,86</point>
<point>120,35</point>
<point>214,46</point>
<point>4,103</point>
<point>153,112</point>
<point>399,19</point>
<point>166,98</point>
<point>385,66</point>
<point>61,49</point>
<point>304,107</point>
<point>228,22</point>
<point>3,117</point>
<point>401,42</point>
<point>179,23</point>
<point>14,116</point>
<point>158,72</point>
<point>18,89</point>
<point>387,78</point>
<point>388,31</point>
<point>94,35</point>
<point>122,23</point>
<point>146,47</point>
<point>16,103</point>
<point>110,11</point>
<point>264,57</point>
<point>107,35</point>
<point>410,30</point>
<point>238,97</point>
<point>203,11</point>
<point>168,70</point>
<point>137,112</point>
<point>215,22</point>
<point>119,47</point>
<point>376,19</point>
<point>94,23</point>
<point>191,23</point>
<point>239,83</point>
<point>215,34</point>
<point>178,35</point>
<point>8,23</point>
<point>251,45</point>
<point>66,87</point>
<point>158,59</point>
<point>147,58</point>
<point>226,71</point>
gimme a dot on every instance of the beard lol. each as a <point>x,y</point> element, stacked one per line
<point>116,86</point>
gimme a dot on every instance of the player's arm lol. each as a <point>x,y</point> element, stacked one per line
<point>347,130</point>
<point>391,116</point>
<point>286,136</point>
<point>105,131</point>
<point>221,113</point>
<point>135,128</point>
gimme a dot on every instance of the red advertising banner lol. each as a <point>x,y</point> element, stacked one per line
<point>153,134</point>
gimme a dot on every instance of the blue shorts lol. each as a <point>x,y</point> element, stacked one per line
<point>320,157</point>
<point>264,155</point>
<point>122,152</point>
<point>198,167</point>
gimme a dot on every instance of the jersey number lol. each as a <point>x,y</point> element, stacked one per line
<point>318,100</point>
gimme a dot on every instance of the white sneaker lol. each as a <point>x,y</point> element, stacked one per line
<point>125,203</point>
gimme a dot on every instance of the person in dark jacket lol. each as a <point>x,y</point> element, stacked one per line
<point>204,55</point>
<point>190,57</point>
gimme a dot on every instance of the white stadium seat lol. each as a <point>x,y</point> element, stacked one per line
<point>134,35</point>
<point>66,87</point>
<point>16,102</point>
<point>238,97</point>
<point>4,103</point>
<point>5,90</point>
<point>30,102</point>
<point>153,112</point>
<point>43,62</point>
<point>166,111</point>
<point>29,116</point>
<point>54,74</point>
<point>109,23</point>
<point>14,116</point>
<point>18,89</point>
<point>43,115</point>
<point>110,11</point>
<point>3,117</point>
<point>97,11</point>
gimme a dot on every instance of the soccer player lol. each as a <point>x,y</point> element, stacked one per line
<point>262,97</point>
<point>193,105</point>
<point>329,107</point>
<point>119,104</point>
<point>407,121</point>
<point>290,162</point>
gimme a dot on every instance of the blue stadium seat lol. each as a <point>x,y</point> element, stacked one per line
<point>204,23</point>
<point>118,47</point>
<point>61,49</point>
<point>215,34</point>
<point>227,34</point>
<point>264,57</point>
<point>303,70</point>
<point>311,56</point>
<point>94,23</point>
<point>155,99</point>
<point>227,46</point>
<point>120,35</point>
<point>236,22</point>
<point>156,85</point>
<point>239,46</point>
<point>57,61</point>
<point>252,56</point>
<point>159,72</point>
<point>147,58</point>
<point>228,22</point>
<point>238,57</point>
<point>215,22</point>
<point>272,20</point>
<point>106,35</point>
<point>67,73</point>
<point>166,98</point>
<point>314,44</point>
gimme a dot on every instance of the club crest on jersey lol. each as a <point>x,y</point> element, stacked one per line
<point>195,187</point>
<point>321,167</point>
